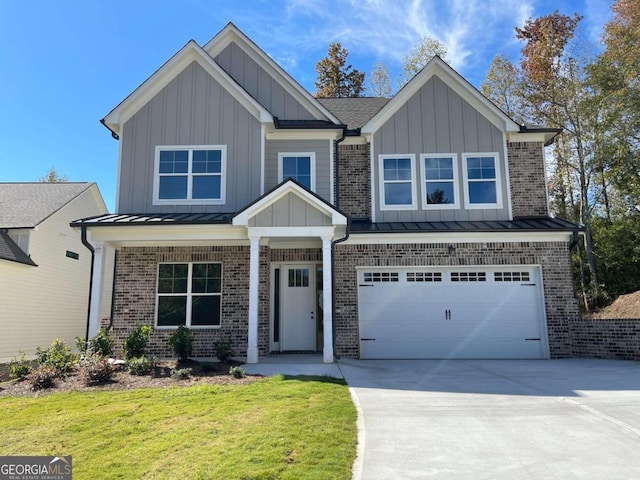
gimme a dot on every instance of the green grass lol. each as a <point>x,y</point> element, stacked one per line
<point>279,428</point>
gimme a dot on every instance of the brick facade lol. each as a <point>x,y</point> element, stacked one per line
<point>560,302</point>
<point>528,181</point>
<point>617,339</point>
<point>354,184</point>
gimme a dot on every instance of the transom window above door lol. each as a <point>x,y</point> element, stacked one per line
<point>439,180</point>
<point>397,175</point>
<point>300,167</point>
<point>190,175</point>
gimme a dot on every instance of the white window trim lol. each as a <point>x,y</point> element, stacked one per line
<point>423,182</point>
<point>189,201</point>
<point>381,182</point>
<point>311,155</point>
<point>480,206</point>
<point>189,294</point>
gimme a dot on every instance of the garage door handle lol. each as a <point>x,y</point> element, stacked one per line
<point>367,339</point>
<point>366,285</point>
<point>527,284</point>
<point>531,339</point>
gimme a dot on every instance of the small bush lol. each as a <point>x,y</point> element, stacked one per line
<point>42,377</point>
<point>136,342</point>
<point>208,367</point>
<point>140,366</point>
<point>58,357</point>
<point>180,373</point>
<point>81,344</point>
<point>182,342</point>
<point>95,369</point>
<point>237,372</point>
<point>223,350</point>
<point>101,343</point>
<point>19,369</point>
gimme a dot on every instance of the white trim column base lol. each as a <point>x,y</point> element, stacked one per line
<point>252,355</point>
<point>327,301</point>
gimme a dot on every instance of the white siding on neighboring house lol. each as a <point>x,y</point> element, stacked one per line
<point>40,304</point>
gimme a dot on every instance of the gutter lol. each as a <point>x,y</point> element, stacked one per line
<point>113,134</point>
<point>85,242</point>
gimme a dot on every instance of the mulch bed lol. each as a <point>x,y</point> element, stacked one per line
<point>202,374</point>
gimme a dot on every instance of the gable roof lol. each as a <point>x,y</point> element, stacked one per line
<point>191,52</point>
<point>232,34</point>
<point>455,81</point>
<point>26,205</point>
<point>354,111</point>
<point>9,250</point>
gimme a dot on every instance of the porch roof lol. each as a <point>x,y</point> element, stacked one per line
<point>516,225</point>
<point>129,219</point>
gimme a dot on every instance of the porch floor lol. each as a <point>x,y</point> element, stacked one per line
<point>309,364</point>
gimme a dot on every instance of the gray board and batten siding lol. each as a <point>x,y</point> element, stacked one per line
<point>193,109</point>
<point>437,120</point>
<point>322,150</point>
<point>290,211</point>
<point>260,85</point>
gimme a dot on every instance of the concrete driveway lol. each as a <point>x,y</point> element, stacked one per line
<point>497,419</point>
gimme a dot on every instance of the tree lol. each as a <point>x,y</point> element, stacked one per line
<point>380,82</point>
<point>503,86</point>
<point>424,51</point>
<point>335,77</point>
<point>53,177</point>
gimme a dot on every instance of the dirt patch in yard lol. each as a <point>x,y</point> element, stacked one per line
<point>201,374</point>
<point>625,306</point>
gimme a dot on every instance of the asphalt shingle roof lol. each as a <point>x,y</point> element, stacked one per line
<point>9,250</point>
<point>354,111</point>
<point>25,205</point>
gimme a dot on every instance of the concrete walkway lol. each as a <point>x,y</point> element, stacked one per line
<point>553,419</point>
<point>293,365</point>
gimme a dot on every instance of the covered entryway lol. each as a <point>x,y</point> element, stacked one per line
<point>451,312</point>
<point>297,315</point>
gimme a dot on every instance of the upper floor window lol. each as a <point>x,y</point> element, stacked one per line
<point>397,176</point>
<point>194,175</point>
<point>439,181</point>
<point>300,167</point>
<point>482,180</point>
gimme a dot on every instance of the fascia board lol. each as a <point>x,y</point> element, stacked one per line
<point>457,83</point>
<point>231,33</point>
<point>304,134</point>
<point>170,70</point>
<point>456,237</point>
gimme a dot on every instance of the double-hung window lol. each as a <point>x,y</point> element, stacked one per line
<point>439,181</point>
<point>300,167</point>
<point>482,180</point>
<point>190,175</point>
<point>189,294</point>
<point>397,176</point>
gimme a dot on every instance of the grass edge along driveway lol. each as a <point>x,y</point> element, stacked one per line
<point>278,428</point>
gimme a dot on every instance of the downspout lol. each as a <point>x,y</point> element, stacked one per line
<point>85,242</point>
<point>113,288</point>
<point>574,242</point>
<point>336,166</point>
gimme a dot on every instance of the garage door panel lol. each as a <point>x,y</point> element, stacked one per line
<point>492,312</point>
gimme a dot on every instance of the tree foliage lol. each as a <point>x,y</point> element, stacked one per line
<point>380,82</point>
<point>424,51</point>
<point>335,77</point>
<point>52,176</point>
<point>503,86</point>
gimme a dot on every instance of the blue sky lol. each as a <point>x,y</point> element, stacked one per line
<point>66,64</point>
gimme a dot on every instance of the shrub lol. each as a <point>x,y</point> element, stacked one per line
<point>182,342</point>
<point>95,369</point>
<point>140,366</point>
<point>208,367</point>
<point>180,373</point>
<point>136,342</point>
<point>223,350</point>
<point>101,343</point>
<point>237,372</point>
<point>19,369</point>
<point>58,357</point>
<point>81,344</point>
<point>42,377</point>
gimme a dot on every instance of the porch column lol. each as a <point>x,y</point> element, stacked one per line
<point>254,276</point>
<point>327,303</point>
<point>96,289</point>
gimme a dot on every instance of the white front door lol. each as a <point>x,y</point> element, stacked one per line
<point>298,307</point>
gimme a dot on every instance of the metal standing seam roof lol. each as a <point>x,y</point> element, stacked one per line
<point>112,219</point>
<point>517,225</point>
<point>26,205</point>
<point>354,111</point>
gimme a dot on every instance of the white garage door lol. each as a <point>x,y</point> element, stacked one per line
<point>451,312</point>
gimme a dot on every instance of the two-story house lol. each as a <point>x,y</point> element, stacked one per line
<point>247,209</point>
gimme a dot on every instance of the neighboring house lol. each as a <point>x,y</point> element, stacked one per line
<point>411,228</point>
<point>44,267</point>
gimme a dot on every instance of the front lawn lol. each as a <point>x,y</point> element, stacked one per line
<point>278,428</point>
